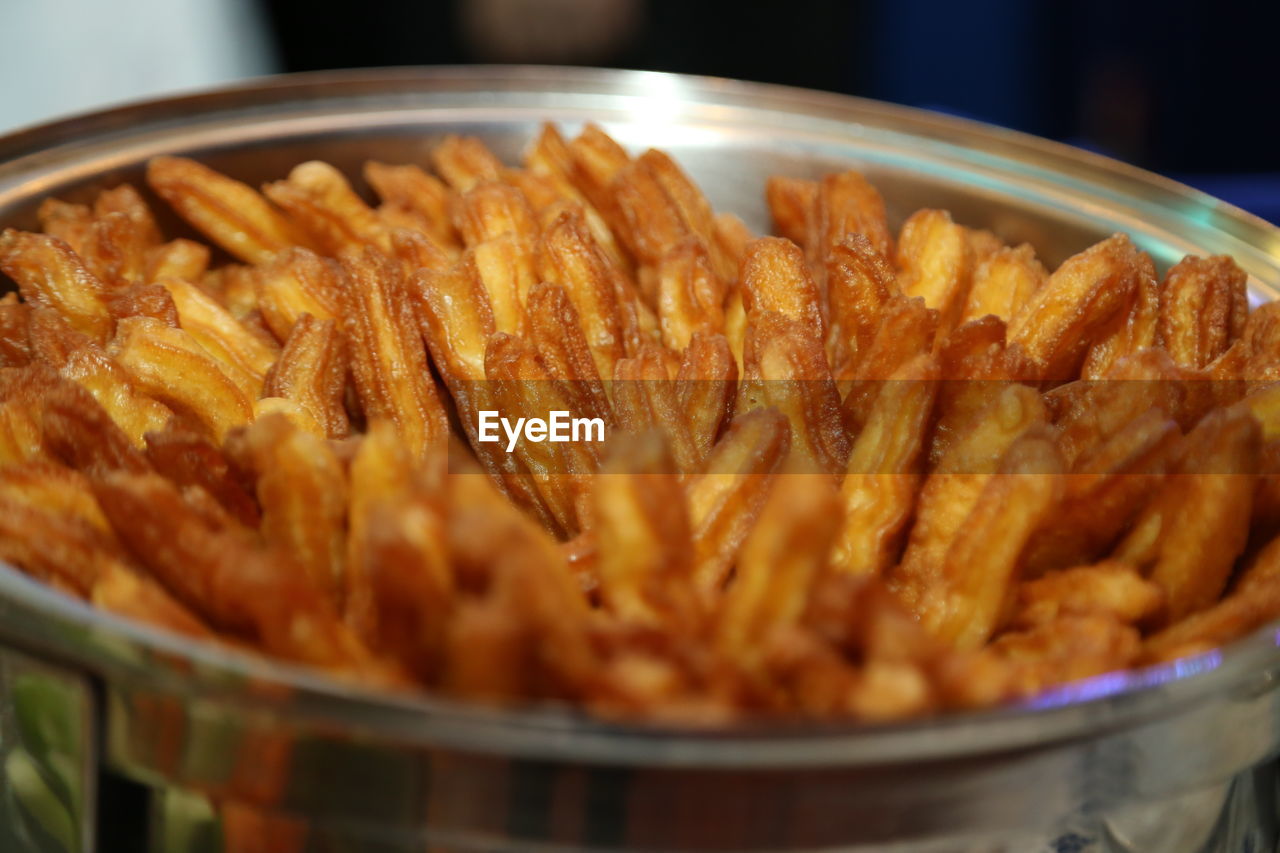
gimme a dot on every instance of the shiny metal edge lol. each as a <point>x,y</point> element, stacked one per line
<point>1097,185</point>
<point>42,620</point>
<point>37,618</point>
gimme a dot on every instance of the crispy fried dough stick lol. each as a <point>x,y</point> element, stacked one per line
<point>907,329</point>
<point>1056,325</point>
<point>297,282</point>
<point>1103,493</point>
<point>790,201</point>
<point>846,204</point>
<point>312,372</point>
<point>786,368</point>
<point>302,490</point>
<point>952,490</point>
<point>1131,330</point>
<point>169,365</point>
<point>69,223</point>
<point>778,565</point>
<point>411,189</point>
<point>380,474</point>
<point>180,258</point>
<point>528,634</point>
<point>642,525</point>
<point>15,338</point>
<point>725,500</point>
<point>980,569</point>
<point>1003,282</point>
<point>1254,602</point>
<point>571,259</point>
<point>318,198</point>
<point>405,553</point>
<point>223,576</point>
<point>646,398</point>
<point>977,363</point>
<point>883,476</point>
<point>1188,538</point>
<point>48,273</point>
<point>80,359</point>
<point>187,458</point>
<point>243,356</point>
<point>556,333</point>
<point>550,158</point>
<point>936,264</point>
<point>706,382</point>
<point>388,359</point>
<point>1261,343</point>
<point>1203,308</point>
<point>597,160</point>
<point>690,296</point>
<point>860,284</point>
<point>456,321</point>
<point>775,279</point>
<point>464,161</point>
<point>231,214</point>
<point>1111,587</point>
<point>521,384</point>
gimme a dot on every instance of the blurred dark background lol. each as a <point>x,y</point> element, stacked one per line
<point>1184,87</point>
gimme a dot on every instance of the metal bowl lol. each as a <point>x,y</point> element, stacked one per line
<point>152,734</point>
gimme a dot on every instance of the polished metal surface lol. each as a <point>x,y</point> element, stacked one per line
<point>1108,764</point>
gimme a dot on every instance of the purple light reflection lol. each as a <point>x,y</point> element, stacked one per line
<point>1121,681</point>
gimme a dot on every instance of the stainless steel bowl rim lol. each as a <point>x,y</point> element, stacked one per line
<point>47,623</point>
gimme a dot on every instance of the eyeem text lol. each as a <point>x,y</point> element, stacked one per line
<point>560,426</point>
